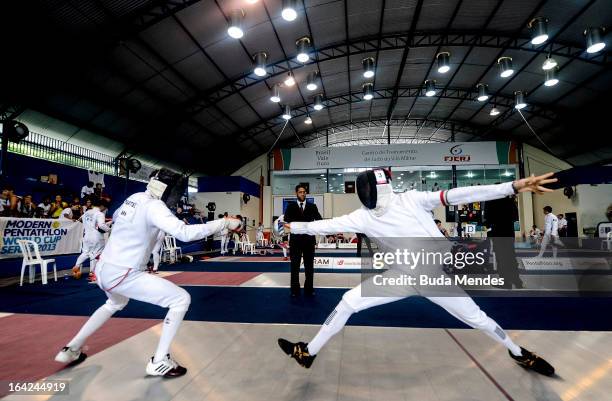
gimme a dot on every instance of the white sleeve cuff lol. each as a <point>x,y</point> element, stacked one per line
<point>299,227</point>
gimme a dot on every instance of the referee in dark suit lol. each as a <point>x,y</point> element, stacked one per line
<point>302,244</point>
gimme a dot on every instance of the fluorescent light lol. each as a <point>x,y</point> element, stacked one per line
<point>549,63</point>
<point>290,80</point>
<point>289,12</point>
<point>594,39</point>
<point>236,22</point>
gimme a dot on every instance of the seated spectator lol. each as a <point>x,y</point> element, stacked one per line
<point>535,234</point>
<point>8,202</point>
<point>42,210</point>
<point>88,205</point>
<point>77,208</point>
<point>87,190</point>
<point>443,230</point>
<point>57,207</point>
<point>26,207</point>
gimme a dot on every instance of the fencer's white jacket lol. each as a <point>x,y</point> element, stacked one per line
<point>408,214</point>
<point>136,225</point>
<point>94,219</point>
<point>551,225</point>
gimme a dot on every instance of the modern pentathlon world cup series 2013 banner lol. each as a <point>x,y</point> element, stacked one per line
<point>428,154</point>
<point>54,237</point>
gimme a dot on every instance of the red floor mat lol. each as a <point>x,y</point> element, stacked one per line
<point>211,278</point>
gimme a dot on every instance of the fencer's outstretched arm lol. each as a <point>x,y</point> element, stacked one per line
<point>101,224</point>
<point>161,217</point>
<point>352,222</point>
<point>480,193</point>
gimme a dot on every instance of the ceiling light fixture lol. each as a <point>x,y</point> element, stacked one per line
<point>368,67</point>
<point>505,66</point>
<point>289,12</point>
<point>259,61</point>
<point>443,62</point>
<point>483,94</point>
<point>235,29</point>
<point>539,30</point>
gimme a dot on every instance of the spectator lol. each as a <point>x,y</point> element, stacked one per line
<point>192,217</point>
<point>562,225</point>
<point>551,232</point>
<point>76,207</point>
<point>87,190</point>
<point>534,234</point>
<point>87,206</point>
<point>43,208</point>
<point>443,230</point>
<point>8,202</point>
<point>57,207</point>
<point>97,193</point>
<point>26,207</point>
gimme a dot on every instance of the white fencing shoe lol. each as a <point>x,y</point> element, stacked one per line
<point>70,357</point>
<point>167,367</point>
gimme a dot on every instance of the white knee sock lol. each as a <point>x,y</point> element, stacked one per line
<point>285,252</point>
<point>100,316</point>
<point>334,323</point>
<point>156,258</point>
<point>82,258</point>
<point>498,334</point>
<point>171,325</point>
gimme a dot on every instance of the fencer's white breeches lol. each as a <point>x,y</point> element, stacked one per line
<point>90,250</point>
<point>462,307</point>
<point>121,285</point>
<point>551,240</point>
<point>224,243</point>
<point>156,253</point>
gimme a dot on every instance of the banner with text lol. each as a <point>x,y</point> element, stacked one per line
<point>457,153</point>
<point>54,237</point>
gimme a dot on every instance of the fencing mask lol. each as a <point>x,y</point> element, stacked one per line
<point>375,190</point>
<point>167,186</point>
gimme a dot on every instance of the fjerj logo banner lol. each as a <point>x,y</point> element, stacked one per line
<point>53,237</point>
<point>437,267</point>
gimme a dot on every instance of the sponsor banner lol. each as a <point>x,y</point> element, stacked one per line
<point>326,246</point>
<point>54,237</point>
<point>350,245</point>
<point>335,263</point>
<point>535,264</point>
<point>455,153</point>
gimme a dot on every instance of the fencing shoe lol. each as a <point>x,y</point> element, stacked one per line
<point>529,360</point>
<point>70,357</point>
<point>167,367</point>
<point>298,351</point>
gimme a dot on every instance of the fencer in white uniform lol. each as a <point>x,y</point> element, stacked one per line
<point>224,241</point>
<point>551,233</point>
<point>121,269</point>
<point>386,216</point>
<point>94,228</point>
<point>156,252</point>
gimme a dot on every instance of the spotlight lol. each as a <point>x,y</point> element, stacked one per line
<point>539,30</point>
<point>311,81</point>
<point>252,1</point>
<point>549,63</point>
<point>494,111</point>
<point>275,94</point>
<point>318,102</point>
<point>594,39</point>
<point>550,77</point>
<point>443,62</point>
<point>368,91</point>
<point>290,81</point>
<point>259,60</point>
<point>289,12</point>
<point>368,67</point>
<point>287,113</point>
<point>236,21</point>
<point>430,88</point>
<point>303,47</point>
<point>308,121</point>
<point>483,94</point>
<point>519,100</point>
<point>505,65</point>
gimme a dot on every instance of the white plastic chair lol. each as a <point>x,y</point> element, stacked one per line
<point>607,243</point>
<point>171,249</point>
<point>248,246</point>
<point>31,258</point>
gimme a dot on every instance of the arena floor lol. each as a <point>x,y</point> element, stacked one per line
<point>407,350</point>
